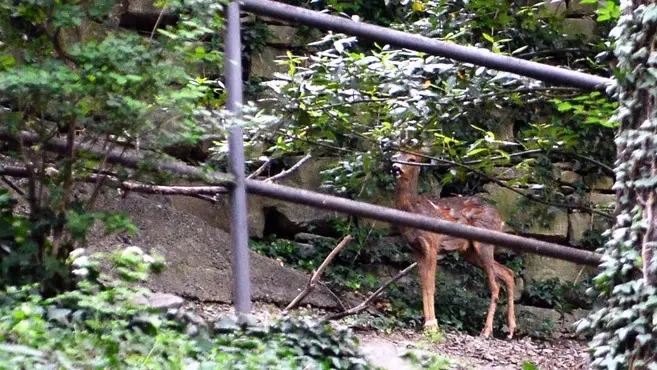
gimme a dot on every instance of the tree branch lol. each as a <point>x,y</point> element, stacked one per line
<point>604,167</point>
<point>363,305</point>
<point>314,277</point>
<point>260,169</point>
<point>94,193</point>
<point>289,171</point>
<point>552,52</point>
<point>18,171</point>
<point>157,22</point>
<point>128,159</point>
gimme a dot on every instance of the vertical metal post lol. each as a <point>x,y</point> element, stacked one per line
<point>238,222</point>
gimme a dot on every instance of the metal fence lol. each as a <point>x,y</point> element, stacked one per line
<point>239,185</point>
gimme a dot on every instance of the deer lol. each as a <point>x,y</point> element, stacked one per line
<point>426,246</point>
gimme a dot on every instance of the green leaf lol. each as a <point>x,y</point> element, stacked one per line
<point>488,37</point>
<point>564,107</point>
<point>418,6</point>
<point>526,365</point>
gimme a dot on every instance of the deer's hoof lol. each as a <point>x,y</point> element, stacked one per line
<point>510,336</point>
<point>485,334</point>
<point>431,325</point>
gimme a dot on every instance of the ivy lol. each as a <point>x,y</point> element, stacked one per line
<point>624,327</point>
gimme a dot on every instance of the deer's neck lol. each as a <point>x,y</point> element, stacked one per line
<point>406,196</point>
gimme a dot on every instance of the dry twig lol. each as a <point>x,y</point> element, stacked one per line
<point>289,171</point>
<point>363,305</point>
<point>314,277</point>
<point>13,186</point>
<point>260,169</point>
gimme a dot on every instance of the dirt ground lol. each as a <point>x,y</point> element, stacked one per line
<point>463,351</point>
<point>472,352</point>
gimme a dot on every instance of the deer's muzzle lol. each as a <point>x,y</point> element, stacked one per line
<point>396,170</point>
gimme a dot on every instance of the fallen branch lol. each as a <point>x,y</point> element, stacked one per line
<point>335,296</point>
<point>128,158</point>
<point>314,277</point>
<point>365,303</point>
<point>289,171</point>
<point>18,171</point>
<point>165,190</point>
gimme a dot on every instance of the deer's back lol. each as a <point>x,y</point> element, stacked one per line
<point>468,210</point>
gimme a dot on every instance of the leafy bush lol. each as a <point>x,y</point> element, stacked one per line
<point>100,325</point>
<point>563,297</point>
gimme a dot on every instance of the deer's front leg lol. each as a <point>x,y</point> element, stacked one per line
<point>425,255</point>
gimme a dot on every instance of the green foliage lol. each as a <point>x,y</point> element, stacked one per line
<point>357,100</point>
<point>608,11</point>
<point>99,325</point>
<point>23,260</point>
<point>346,271</point>
<point>371,11</point>
<point>68,72</point>
<point>438,362</point>
<point>529,366</point>
<point>552,293</point>
<point>593,240</point>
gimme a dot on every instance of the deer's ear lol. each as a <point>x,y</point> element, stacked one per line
<point>426,150</point>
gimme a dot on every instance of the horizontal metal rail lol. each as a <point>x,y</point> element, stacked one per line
<point>323,201</point>
<point>401,218</point>
<point>468,54</point>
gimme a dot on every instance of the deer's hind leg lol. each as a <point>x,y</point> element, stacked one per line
<point>425,254</point>
<point>506,275</point>
<point>481,255</point>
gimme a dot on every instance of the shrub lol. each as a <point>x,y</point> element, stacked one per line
<point>101,325</point>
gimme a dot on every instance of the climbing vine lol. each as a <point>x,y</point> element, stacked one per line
<point>625,327</point>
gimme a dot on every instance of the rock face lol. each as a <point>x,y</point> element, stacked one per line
<point>263,62</point>
<point>578,224</point>
<point>541,268</point>
<point>533,320</point>
<point>384,354</point>
<point>161,301</point>
<point>198,256</point>
<point>506,202</point>
<point>607,200</point>
<point>601,183</point>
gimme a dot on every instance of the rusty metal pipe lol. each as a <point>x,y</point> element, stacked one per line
<point>401,218</point>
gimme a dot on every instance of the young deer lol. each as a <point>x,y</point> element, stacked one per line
<point>426,246</point>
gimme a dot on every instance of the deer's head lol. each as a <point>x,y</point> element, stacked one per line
<point>403,170</point>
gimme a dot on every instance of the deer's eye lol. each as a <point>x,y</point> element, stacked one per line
<point>411,159</point>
